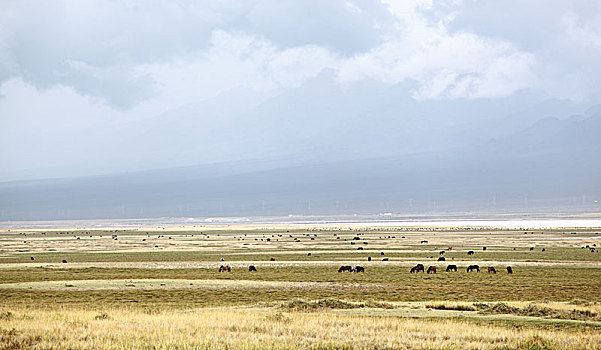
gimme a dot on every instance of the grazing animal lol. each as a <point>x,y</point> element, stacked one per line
<point>252,268</point>
<point>432,269</point>
<point>222,259</point>
<point>441,258</point>
<point>345,268</point>
<point>473,267</point>
<point>369,258</point>
<point>424,242</point>
<point>491,270</point>
<point>417,268</point>
<point>359,269</point>
<point>224,268</point>
<point>470,252</point>
<point>271,259</point>
<point>64,261</point>
<point>308,254</point>
<point>441,252</point>
<point>531,248</point>
<point>452,268</point>
<point>509,270</point>
<point>543,249</point>
<point>381,253</point>
<point>32,258</point>
<point>483,248</point>
<point>385,259</point>
<point>360,248</point>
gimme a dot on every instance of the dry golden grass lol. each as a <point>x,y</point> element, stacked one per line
<point>268,328</point>
<point>161,290</point>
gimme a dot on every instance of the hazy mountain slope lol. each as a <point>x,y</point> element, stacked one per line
<point>552,163</point>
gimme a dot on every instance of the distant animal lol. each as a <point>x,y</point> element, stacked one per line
<point>64,261</point>
<point>359,269</point>
<point>385,259</point>
<point>483,248</point>
<point>424,241</point>
<point>381,253</point>
<point>543,249</point>
<point>417,268</point>
<point>441,258</point>
<point>224,268</point>
<point>308,254</point>
<point>452,268</point>
<point>432,269</point>
<point>470,252</point>
<point>222,259</point>
<point>473,267</point>
<point>360,248</point>
<point>272,259</point>
<point>345,268</point>
<point>531,248</point>
<point>509,270</point>
<point>252,268</point>
<point>491,270</point>
<point>369,258</point>
<point>441,252</point>
<point>32,258</point>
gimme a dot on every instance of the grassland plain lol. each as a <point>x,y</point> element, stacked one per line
<point>159,288</point>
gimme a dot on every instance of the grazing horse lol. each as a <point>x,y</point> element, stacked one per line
<point>64,261</point>
<point>509,270</point>
<point>470,252</point>
<point>452,268</point>
<point>417,268</point>
<point>345,268</point>
<point>358,269</point>
<point>424,242</point>
<point>473,267</point>
<point>272,259</point>
<point>224,268</point>
<point>369,258</point>
<point>491,270</point>
<point>441,258</point>
<point>531,248</point>
<point>252,268</point>
<point>432,269</point>
<point>385,259</point>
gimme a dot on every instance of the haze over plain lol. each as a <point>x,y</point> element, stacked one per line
<point>276,108</point>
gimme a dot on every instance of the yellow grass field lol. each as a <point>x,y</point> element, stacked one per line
<point>159,288</point>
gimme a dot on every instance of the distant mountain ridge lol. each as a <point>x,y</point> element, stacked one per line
<point>551,164</point>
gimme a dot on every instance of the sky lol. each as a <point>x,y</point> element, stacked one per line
<point>100,87</point>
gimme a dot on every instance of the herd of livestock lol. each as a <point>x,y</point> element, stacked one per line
<point>415,269</point>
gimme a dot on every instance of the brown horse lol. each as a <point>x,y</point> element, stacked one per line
<point>224,268</point>
<point>432,269</point>
<point>417,268</point>
<point>491,270</point>
<point>272,259</point>
<point>252,268</point>
<point>345,268</point>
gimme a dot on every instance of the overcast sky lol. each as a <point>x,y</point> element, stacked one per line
<point>75,73</point>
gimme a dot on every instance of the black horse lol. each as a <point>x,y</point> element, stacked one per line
<point>359,269</point>
<point>509,270</point>
<point>473,267</point>
<point>252,268</point>
<point>441,258</point>
<point>452,268</point>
